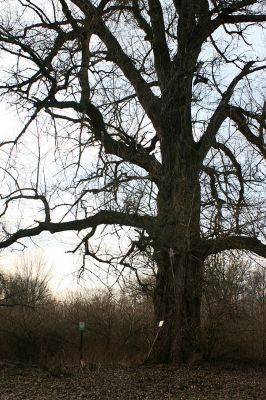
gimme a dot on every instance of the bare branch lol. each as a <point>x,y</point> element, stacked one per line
<point>160,48</point>
<point>214,246</point>
<point>101,218</point>
<point>237,115</point>
<point>148,100</point>
<point>219,114</point>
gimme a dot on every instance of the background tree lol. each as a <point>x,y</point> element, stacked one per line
<point>157,118</point>
<point>27,287</point>
<point>25,298</point>
<point>232,318</point>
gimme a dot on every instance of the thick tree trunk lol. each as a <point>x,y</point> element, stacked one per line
<point>177,296</point>
<point>177,301</point>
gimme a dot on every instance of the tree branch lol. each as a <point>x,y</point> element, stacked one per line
<point>159,44</point>
<point>147,99</point>
<point>236,114</point>
<point>245,18</point>
<point>214,246</point>
<point>219,115</point>
<point>227,14</point>
<point>137,156</point>
<point>101,218</point>
<point>28,197</point>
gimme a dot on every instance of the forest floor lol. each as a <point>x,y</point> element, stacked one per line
<point>207,381</point>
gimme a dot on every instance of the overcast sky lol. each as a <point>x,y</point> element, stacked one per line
<point>53,249</point>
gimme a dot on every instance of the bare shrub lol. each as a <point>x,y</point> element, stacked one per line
<point>233,308</point>
<point>38,328</point>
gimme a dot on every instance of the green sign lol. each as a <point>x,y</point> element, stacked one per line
<point>82,326</point>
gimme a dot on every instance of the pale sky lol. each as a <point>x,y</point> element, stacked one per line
<point>52,249</point>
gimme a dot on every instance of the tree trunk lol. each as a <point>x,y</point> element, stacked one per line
<point>177,297</point>
<point>177,301</point>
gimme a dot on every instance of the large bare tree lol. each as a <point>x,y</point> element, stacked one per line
<point>156,113</point>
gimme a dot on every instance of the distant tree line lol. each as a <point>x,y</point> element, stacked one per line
<point>37,327</point>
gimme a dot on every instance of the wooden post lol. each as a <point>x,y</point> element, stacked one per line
<point>154,341</point>
<point>81,331</point>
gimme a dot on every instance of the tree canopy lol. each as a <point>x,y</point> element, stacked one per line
<point>145,116</point>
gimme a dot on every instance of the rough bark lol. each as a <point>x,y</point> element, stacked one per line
<point>177,296</point>
<point>177,302</point>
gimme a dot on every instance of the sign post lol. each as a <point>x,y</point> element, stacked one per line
<point>160,325</point>
<point>82,327</point>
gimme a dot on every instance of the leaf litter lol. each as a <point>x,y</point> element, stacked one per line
<point>201,382</point>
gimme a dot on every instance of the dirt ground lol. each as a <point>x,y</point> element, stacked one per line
<point>145,382</point>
